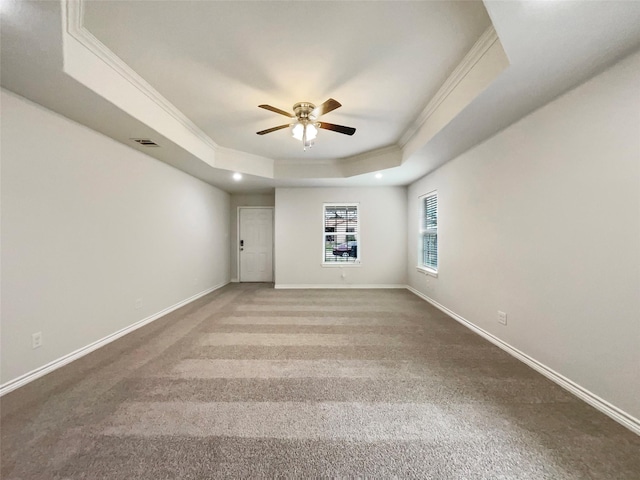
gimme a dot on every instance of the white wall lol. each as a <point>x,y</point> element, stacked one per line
<point>299,229</point>
<point>244,200</point>
<point>89,226</point>
<point>542,221</point>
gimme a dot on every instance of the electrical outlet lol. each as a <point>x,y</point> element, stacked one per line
<point>36,340</point>
<point>138,304</point>
<point>502,317</point>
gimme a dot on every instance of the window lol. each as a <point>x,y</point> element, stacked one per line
<point>340,234</point>
<point>429,231</point>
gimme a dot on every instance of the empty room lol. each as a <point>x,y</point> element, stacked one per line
<point>302,239</point>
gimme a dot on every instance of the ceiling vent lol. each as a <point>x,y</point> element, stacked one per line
<point>145,142</point>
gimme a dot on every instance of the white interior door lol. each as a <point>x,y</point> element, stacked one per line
<point>255,244</point>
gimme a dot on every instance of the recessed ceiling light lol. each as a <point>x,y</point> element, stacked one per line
<point>378,175</point>
<point>237,176</point>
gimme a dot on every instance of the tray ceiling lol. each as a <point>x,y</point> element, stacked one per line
<point>217,61</point>
<point>421,81</point>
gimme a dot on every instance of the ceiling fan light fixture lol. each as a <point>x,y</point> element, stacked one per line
<point>300,130</point>
<point>297,131</point>
<point>312,131</point>
<point>305,132</point>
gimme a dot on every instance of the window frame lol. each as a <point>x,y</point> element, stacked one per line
<point>423,231</point>
<point>358,259</point>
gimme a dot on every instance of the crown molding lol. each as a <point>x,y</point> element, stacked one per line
<point>354,165</point>
<point>486,40</point>
<point>305,161</point>
<point>77,30</point>
<point>372,161</point>
<point>389,149</point>
<point>226,158</point>
<point>392,149</point>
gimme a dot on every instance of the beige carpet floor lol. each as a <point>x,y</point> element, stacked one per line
<point>252,382</point>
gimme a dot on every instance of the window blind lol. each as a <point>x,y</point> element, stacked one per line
<point>430,231</point>
<point>340,243</point>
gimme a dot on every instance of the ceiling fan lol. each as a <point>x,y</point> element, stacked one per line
<point>305,127</point>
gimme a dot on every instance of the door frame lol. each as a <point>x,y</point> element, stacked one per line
<point>273,241</point>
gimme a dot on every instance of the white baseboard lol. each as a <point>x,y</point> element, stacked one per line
<point>592,399</point>
<point>337,285</point>
<point>81,352</point>
<point>234,280</point>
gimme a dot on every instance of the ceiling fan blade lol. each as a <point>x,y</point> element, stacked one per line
<point>328,106</point>
<point>276,110</point>
<point>337,128</point>
<point>269,130</point>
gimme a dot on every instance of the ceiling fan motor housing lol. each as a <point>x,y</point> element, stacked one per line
<point>303,111</point>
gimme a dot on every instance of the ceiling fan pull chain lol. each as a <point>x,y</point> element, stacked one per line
<point>304,138</point>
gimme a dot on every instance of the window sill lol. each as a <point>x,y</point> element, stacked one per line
<point>340,265</point>
<point>427,271</point>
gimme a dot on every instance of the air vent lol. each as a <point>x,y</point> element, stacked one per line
<point>145,142</point>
